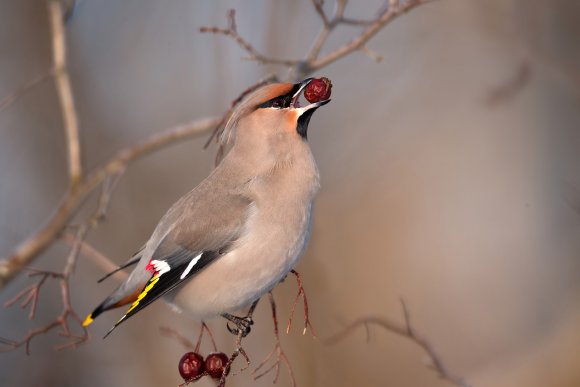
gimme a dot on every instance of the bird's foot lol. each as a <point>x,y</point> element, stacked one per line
<point>243,325</point>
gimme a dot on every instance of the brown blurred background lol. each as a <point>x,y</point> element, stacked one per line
<point>448,173</point>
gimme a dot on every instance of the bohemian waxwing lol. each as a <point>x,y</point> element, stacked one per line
<point>237,234</point>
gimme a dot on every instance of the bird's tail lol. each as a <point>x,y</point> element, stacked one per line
<point>121,296</point>
<point>111,302</point>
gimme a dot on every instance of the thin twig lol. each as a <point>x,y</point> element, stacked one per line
<point>318,6</point>
<point>281,357</point>
<point>68,314</point>
<point>30,248</point>
<point>406,330</point>
<point>392,12</point>
<point>254,55</point>
<point>65,94</point>
<point>89,251</point>
<point>29,295</point>
<point>92,221</point>
<point>24,89</point>
<point>76,242</point>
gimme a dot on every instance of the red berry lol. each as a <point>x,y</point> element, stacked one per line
<point>215,364</point>
<point>318,90</point>
<point>191,366</point>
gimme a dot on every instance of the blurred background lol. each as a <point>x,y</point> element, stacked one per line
<point>448,174</point>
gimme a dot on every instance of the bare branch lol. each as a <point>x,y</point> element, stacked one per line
<point>65,93</point>
<point>391,13</point>
<point>96,256</point>
<point>254,55</point>
<point>281,357</point>
<point>340,8</point>
<point>355,22</point>
<point>30,248</point>
<point>318,6</point>
<point>24,89</point>
<point>75,249</point>
<point>31,293</point>
<point>371,54</point>
<point>93,221</point>
<point>406,330</point>
<point>63,320</point>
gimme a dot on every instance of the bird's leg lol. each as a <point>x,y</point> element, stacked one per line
<point>243,324</point>
<point>301,293</point>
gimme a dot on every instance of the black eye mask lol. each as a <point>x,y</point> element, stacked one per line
<point>283,101</point>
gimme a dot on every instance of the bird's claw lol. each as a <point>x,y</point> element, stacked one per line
<point>243,325</point>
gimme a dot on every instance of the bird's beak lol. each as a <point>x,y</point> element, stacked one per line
<point>295,98</point>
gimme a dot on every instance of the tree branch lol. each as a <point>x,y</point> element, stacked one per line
<point>82,186</point>
<point>298,69</point>
<point>406,330</point>
<point>280,358</point>
<point>25,253</point>
<point>63,320</point>
<point>254,55</point>
<point>24,89</point>
<point>65,94</point>
<point>100,260</point>
<point>391,12</point>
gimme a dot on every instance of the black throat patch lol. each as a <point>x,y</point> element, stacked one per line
<point>303,121</point>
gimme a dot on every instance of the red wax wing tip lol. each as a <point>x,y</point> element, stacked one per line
<point>191,366</point>
<point>215,364</point>
<point>150,267</point>
<point>318,90</point>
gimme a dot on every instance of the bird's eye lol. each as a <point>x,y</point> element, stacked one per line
<point>277,103</point>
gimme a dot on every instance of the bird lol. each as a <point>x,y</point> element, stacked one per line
<point>236,235</point>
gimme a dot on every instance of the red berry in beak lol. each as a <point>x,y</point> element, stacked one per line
<point>215,364</point>
<point>191,366</point>
<point>318,90</point>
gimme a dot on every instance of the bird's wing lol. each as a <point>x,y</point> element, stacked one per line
<point>198,237</point>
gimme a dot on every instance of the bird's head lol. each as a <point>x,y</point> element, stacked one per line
<point>283,105</point>
<point>278,108</point>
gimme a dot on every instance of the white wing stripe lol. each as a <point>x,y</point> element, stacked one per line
<point>192,263</point>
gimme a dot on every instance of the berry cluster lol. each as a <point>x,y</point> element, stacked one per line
<point>192,366</point>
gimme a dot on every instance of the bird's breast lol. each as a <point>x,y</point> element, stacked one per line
<point>274,237</point>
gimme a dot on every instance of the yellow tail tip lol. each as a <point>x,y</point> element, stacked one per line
<point>88,320</point>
